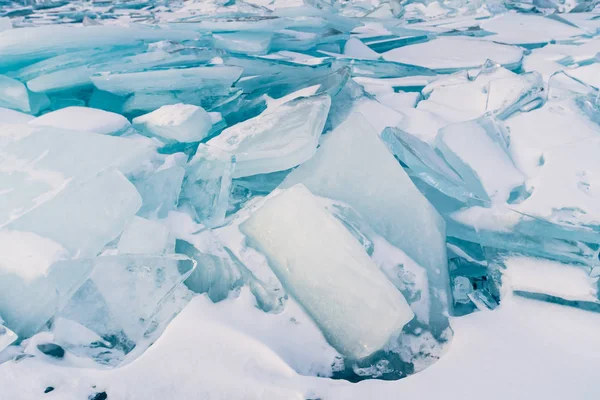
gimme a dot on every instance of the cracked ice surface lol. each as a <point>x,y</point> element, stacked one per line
<point>277,199</point>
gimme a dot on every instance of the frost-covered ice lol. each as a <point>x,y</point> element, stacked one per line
<point>273,199</point>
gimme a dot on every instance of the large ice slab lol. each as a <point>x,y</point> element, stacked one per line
<point>478,152</point>
<point>160,192</point>
<point>323,266</point>
<point>446,54</point>
<point>39,162</point>
<point>142,236</point>
<point>86,215</point>
<point>13,94</point>
<point>278,139</point>
<point>84,119</point>
<point>212,78</point>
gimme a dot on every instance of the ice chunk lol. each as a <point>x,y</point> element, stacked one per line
<point>213,78</point>
<point>27,304</point>
<point>13,94</point>
<point>207,183</point>
<point>86,215</point>
<point>354,48</point>
<point>38,162</point>
<point>278,139</point>
<point>160,192</point>
<point>447,54</point>
<point>323,266</point>
<point>353,165</point>
<point>84,119</point>
<point>8,116</point>
<point>18,46</point>
<point>6,335</point>
<point>142,236</point>
<point>177,122</point>
<point>122,297</point>
<point>477,151</point>
<point>569,282</point>
<point>243,42</point>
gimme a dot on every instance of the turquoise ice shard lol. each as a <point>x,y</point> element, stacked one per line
<point>207,184</point>
<point>354,48</point>
<point>34,282</point>
<point>426,164</point>
<point>143,236</point>
<point>176,123</point>
<point>84,119</point>
<point>30,44</point>
<point>8,116</point>
<point>243,42</point>
<point>39,162</point>
<point>477,150</point>
<point>353,165</point>
<point>84,216</point>
<point>13,94</point>
<point>160,192</point>
<point>278,139</point>
<point>452,53</point>
<point>328,271</point>
<point>122,298</point>
<point>7,337</point>
<point>216,79</point>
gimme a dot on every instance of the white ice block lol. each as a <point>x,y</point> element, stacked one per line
<point>84,119</point>
<point>176,123</point>
<point>328,271</point>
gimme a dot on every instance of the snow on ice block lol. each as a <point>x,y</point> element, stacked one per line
<point>13,94</point>
<point>121,298</point>
<point>327,270</point>
<point>7,337</point>
<point>354,166</point>
<point>84,119</point>
<point>476,150</point>
<point>446,54</point>
<point>33,280</point>
<point>84,216</point>
<point>142,236</point>
<point>176,123</point>
<point>39,162</point>
<point>8,116</point>
<point>277,139</point>
<point>218,79</point>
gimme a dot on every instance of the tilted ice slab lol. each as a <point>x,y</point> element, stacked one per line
<point>323,266</point>
<point>447,54</point>
<point>84,119</point>
<point>278,139</point>
<point>6,336</point>
<point>13,94</point>
<point>217,78</point>
<point>353,165</point>
<point>477,151</point>
<point>37,163</point>
<point>143,236</point>
<point>29,44</point>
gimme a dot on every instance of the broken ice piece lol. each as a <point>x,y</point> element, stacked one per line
<point>218,79</point>
<point>176,123</point>
<point>243,42</point>
<point>122,296</point>
<point>85,215</point>
<point>207,183</point>
<point>277,139</point>
<point>142,236</point>
<point>325,268</point>
<point>84,119</point>
<point>13,94</point>
<point>160,192</point>
<point>477,150</point>
<point>7,337</point>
